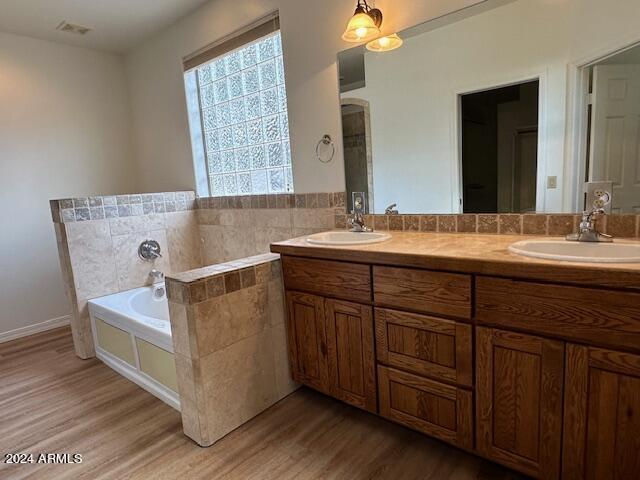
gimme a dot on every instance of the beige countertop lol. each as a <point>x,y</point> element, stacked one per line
<point>469,253</point>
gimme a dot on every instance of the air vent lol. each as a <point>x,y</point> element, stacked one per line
<point>72,28</point>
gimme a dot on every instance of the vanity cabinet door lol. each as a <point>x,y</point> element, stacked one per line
<point>602,415</point>
<point>307,340</point>
<point>519,382</point>
<point>351,356</point>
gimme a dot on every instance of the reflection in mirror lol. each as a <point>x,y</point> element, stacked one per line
<point>613,134</point>
<point>499,134</point>
<point>356,138</point>
<point>476,112</point>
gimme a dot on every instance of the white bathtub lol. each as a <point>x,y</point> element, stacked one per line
<point>132,335</point>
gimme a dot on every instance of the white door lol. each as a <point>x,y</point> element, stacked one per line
<point>615,133</point>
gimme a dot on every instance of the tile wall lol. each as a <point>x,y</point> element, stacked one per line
<point>236,227</point>
<point>228,329</point>
<point>98,247</point>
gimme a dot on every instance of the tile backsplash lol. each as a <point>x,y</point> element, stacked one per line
<point>621,226</point>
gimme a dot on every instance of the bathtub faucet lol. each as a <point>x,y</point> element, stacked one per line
<point>156,276</point>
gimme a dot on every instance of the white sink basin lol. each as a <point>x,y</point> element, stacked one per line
<point>347,238</point>
<point>617,252</point>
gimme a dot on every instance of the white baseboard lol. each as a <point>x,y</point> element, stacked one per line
<point>35,328</point>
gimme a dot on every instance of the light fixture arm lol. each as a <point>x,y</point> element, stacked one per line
<point>374,13</point>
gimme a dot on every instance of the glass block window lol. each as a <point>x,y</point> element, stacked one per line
<point>242,103</point>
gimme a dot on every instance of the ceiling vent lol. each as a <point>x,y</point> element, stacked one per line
<point>72,28</point>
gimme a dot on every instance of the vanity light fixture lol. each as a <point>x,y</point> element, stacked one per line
<point>385,44</point>
<point>364,25</point>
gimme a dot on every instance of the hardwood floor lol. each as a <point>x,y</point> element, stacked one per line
<point>53,402</point>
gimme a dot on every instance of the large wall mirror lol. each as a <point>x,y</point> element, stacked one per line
<point>509,106</point>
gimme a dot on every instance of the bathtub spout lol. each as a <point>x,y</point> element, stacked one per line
<point>156,276</point>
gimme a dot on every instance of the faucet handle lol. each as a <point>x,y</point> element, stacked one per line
<point>593,214</point>
<point>149,250</point>
<point>391,209</point>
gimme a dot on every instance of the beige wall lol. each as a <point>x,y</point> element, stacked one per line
<point>311,40</point>
<point>64,131</point>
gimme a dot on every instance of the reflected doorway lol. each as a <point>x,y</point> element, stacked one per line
<point>499,136</point>
<point>613,129</point>
<point>358,159</point>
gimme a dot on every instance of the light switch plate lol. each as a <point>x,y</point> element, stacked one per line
<point>552,182</point>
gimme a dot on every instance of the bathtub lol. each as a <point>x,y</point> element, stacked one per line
<point>132,335</point>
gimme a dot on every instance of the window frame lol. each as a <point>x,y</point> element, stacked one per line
<point>193,65</point>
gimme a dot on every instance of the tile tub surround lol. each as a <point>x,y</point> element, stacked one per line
<point>228,329</point>
<point>237,227</point>
<point>99,257</point>
<point>620,226</point>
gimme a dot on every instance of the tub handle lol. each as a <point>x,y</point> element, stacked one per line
<point>149,250</point>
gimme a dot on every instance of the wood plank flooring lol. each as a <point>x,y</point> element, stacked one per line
<point>53,402</point>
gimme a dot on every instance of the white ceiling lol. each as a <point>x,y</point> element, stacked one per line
<point>117,25</point>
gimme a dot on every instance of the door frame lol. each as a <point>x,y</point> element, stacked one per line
<point>577,121</point>
<point>543,132</point>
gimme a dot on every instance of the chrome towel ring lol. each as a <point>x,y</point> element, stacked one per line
<point>325,149</point>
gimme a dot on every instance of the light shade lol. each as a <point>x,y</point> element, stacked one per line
<point>385,44</point>
<point>361,28</point>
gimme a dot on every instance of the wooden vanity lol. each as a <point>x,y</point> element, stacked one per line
<point>533,364</point>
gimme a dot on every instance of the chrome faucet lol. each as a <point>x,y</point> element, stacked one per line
<point>156,276</point>
<point>356,222</point>
<point>391,209</point>
<point>587,231</point>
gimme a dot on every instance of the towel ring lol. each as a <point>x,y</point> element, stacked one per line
<point>327,141</point>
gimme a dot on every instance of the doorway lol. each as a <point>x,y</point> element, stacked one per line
<point>499,136</point>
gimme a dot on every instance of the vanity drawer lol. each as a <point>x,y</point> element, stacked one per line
<point>599,317</point>
<point>423,291</point>
<point>348,281</point>
<point>428,346</point>
<point>439,410</point>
